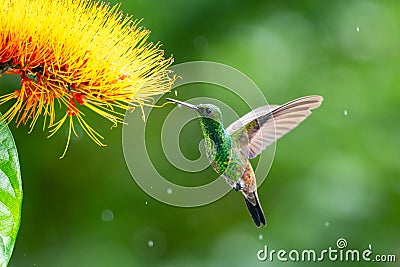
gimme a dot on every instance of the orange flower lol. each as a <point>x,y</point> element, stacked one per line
<point>76,53</point>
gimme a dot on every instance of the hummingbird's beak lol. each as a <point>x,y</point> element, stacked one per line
<point>182,103</point>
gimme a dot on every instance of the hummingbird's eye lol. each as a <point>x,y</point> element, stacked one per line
<point>208,110</point>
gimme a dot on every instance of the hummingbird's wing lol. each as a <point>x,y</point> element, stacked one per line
<point>264,125</point>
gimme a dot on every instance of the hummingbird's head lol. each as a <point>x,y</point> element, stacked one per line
<point>202,110</point>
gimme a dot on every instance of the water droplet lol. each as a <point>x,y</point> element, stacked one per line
<point>327,224</point>
<point>345,112</point>
<point>169,191</point>
<point>260,237</point>
<point>146,202</point>
<point>107,215</point>
<point>200,42</point>
<point>357,29</point>
<point>176,93</point>
<point>78,136</point>
<point>150,243</point>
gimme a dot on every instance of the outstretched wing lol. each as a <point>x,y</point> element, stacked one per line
<point>263,126</point>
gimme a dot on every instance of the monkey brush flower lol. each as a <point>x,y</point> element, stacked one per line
<point>73,54</point>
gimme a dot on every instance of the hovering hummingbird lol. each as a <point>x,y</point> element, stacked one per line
<point>230,149</point>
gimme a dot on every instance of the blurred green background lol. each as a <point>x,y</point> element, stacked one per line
<point>336,176</point>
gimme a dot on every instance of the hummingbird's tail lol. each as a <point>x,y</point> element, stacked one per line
<point>254,207</point>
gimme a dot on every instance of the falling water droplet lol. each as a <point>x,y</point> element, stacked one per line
<point>260,237</point>
<point>150,243</point>
<point>107,215</point>
<point>176,93</point>
<point>357,29</point>
<point>169,191</point>
<point>146,202</point>
<point>345,112</point>
<point>200,42</point>
<point>327,224</point>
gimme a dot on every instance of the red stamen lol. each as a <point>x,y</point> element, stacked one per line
<point>79,97</point>
<point>24,78</point>
<point>123,77</point>
<point>13,71</point>
<point>72,110</point>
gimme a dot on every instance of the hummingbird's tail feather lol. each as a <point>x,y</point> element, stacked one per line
<point>255,210</point>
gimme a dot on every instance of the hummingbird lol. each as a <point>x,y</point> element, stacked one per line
<point>229,149</point>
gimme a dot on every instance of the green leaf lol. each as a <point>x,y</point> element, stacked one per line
<point>10,194</point>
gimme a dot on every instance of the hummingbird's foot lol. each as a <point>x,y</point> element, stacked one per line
<point>238,186</point>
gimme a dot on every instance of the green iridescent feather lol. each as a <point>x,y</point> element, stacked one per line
<point>218,143</point>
